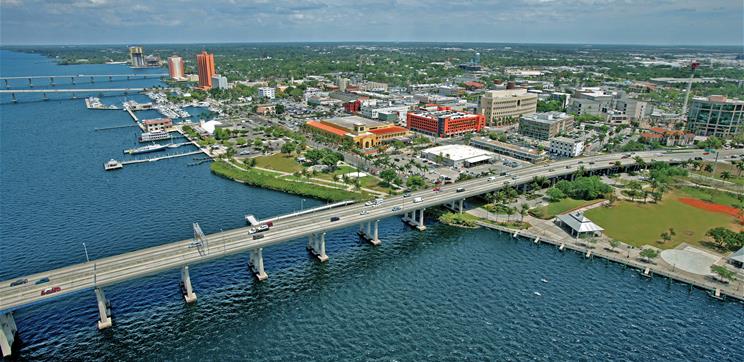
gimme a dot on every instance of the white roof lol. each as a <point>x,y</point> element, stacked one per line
<point>458,152</point>
<point>209,126</point>
<point>579,222</point>
<point>738,256</point>
<point>479,158</point>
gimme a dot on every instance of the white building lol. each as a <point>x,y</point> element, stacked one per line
<point>564,146</point>
<point>219,81</point>
<point>266,92</point>
<point>457,155</point>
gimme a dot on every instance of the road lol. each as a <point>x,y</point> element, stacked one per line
<point>119,268</point>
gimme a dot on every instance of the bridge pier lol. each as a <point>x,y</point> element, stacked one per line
<point>186,289</point>
<point>51,81</point>
<point>110,79</point>
<point>8,332</point>
<point>6,83</point>
<point>371,235</point>
<point>30,84</point>
<point>256,264</point>
<point>104,310</point>
<point>420,224</point>
<point>46,98</point>
<point>316,246</point>
<point>12,95</point>
<point>92,80</point>
<point>72,79</point>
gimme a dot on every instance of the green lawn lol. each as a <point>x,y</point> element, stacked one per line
<point>715,196</point>
<point>641,224</point>
<point>278,162</point>
<point>331,176</point>
<point>561,207</point>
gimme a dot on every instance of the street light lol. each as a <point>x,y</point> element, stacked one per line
<point>86,253</point>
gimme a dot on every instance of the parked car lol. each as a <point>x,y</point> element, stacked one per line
<point>42,281</point>
<point>335,218</point>
<point>51,290</point>
<point>19,282</point>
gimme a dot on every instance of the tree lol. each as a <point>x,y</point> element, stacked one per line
<point>726,238</point>
<point>415,182</point>
<point>250,162</point>
<point>523,211</point>
<point>665,236</point>
<point>708,168</point>
<point>555,194</point>
<point>388,175</point>
<point>614,244</point>
<point>723,272</point>
<point>288,148</point>
<point>648,254</point>
<point>725,175</point>
<point>611,198</point>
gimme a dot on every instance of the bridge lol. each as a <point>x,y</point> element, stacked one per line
<point>74,91</point>
<point>97,274</point>
<point>90,77</point>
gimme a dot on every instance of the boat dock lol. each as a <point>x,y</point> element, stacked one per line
<point>115,127</point>
<point>645,269</point>
<point>145,160</point>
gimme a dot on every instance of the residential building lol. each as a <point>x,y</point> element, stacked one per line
<point>668,137</point>
<point>508,149</point>
<point>205,68</point>
<point>266,92</point>
<point>136,57</point>
<point>545,125</point>
<point>444,122</point>
<point>160,124</point>
<point>175,67</point>
<point>457,155</point>
<point>502,107</point>
<point>364,133</point>
<point>716,116</point>
<point>219,82</point>
<point>568,147</point>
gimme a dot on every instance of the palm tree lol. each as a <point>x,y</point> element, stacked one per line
<point>523,211</point>
<point>640,162</point>
<point>739,166</point>
<point>725,175</point>
<point>708,168</point>
<point>614,244</point>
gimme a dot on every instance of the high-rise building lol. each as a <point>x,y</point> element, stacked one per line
<point>444,122</point>
<point>716,116</point>
<point>267,92</point>
<point>205,68</point>
<point>136,57</point>
<point>219,81</point>
<point>175,67</point>
<point>503,107</point>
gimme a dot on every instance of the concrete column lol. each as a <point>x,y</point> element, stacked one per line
<point>51,81</point>
<point>188,292</point>
<point>6,83</point>
<point>369,229</point>
<point>103,309</point>
<point>310,241</point>
<point>374,238</point>
<point>92,80</point>
<point>256,264</point>
<point>8,332</point>
<point>420,224</point>
<point>29,83</point>
<point>461,202</point>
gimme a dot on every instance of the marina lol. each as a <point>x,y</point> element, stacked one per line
<point>154,148</point>
<point>95,103</point>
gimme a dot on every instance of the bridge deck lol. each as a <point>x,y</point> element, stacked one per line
<point>119,268</point>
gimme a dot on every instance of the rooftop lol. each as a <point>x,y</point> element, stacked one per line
<point>156,121</point>
<point>510,146</point>
<point>349,122</point>
<point>718,99</point>
<point>443,114</point>
<point>458,152</point>
<point>325,127</point>
<point>503,93</point>
<point>579,222</point>
<point>565,139</point>
<point>546,117</point>
<point>387,130</point>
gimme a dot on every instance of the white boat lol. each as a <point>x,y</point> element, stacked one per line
<point>112,164</point>
<point>145,149</point>
<point>154,136</point>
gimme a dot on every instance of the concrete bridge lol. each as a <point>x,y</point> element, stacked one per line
<point>74,91</point>
<point>97,274</point>
<point>81,77</point>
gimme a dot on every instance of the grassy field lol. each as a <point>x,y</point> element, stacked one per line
<point>715,196</point>
<point>331,176</point>
<point>278,162</point>
<point>720,167</point>
<point>560,207</point>
<point>270,181</point>
<point>641,224</point>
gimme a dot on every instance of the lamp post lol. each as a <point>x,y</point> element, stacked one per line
<point>87,259</point>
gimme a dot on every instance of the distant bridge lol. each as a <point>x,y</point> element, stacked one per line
<point>90,77</point>
<point>74,91</point>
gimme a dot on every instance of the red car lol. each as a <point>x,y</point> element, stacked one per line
<point>51,290</point>
<point>437,189</point>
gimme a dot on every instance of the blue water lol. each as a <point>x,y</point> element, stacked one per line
<point>446,294</point>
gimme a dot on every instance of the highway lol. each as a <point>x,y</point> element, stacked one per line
<point>114,269</point>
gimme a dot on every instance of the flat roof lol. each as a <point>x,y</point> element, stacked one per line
<point>458,152</point>
<point>391,129</point>
<point>349,122</point>
<point>443,114</point>
<point>546,117</point>
<point>579,222</point>
<point>515,148</point>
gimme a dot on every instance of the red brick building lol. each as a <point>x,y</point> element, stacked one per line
<point>353,106</point>
<point>444,122</point>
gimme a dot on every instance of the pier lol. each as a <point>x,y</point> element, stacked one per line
<point>153,159</point>
<point>95,275</point>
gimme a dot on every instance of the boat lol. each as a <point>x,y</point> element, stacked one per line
<point>154,136</point>
<point>145,149</point>
<point>112,164</point>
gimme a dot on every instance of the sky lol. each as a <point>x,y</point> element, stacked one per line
<point>664,22</point>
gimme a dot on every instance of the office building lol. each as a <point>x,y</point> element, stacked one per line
<point>205,68</point>
<point>716,116</point>
<point>544,126</point>
<point>219,82</point>
<point>444,122</point>
<point>160,124</point>
<point>508,149</point>
<point>266,92</point>
<point>503,107</point>
<point>364,133</point>
<point>567,147</point>
<point>175,67</point>
<point>136,57</point>
<point>635,110</point>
